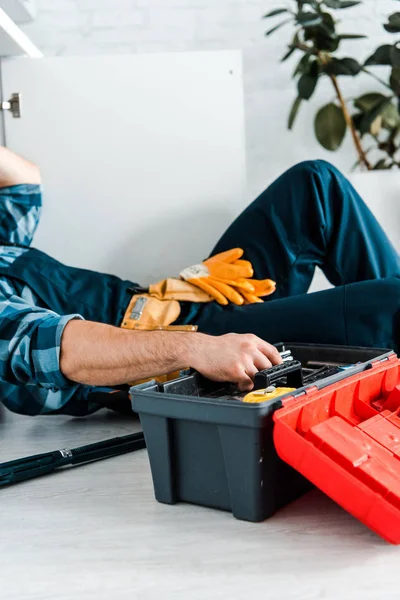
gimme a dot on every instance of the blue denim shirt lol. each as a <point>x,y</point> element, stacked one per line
<point>31,382</point>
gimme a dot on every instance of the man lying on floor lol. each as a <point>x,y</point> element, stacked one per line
<point>66,332</point>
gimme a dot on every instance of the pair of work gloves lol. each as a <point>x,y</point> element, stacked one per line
<point>225,278</point>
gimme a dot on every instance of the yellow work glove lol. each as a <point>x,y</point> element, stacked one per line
<point>227,278</point>
<point>177,289</point>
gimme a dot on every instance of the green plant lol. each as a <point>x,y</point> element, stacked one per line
<point>373,119</point>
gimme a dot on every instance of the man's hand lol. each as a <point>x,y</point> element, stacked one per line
<point>234,358</point>
<point>101,355</point>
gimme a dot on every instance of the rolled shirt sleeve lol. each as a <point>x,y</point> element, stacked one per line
<point>30,344</point>
<point>34,351</point>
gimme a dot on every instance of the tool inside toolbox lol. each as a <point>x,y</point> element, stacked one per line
<point>277,381</point>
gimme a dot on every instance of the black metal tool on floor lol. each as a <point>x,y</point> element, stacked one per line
<point>30,467</point>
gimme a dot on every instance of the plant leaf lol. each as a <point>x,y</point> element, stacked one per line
<point>277,26</point>
<point>350,3</point>
<point>376,125</point>
<point>371,115</point>
<point>351,36</point>
<point>352,65</point>
<point>367,101</point>
<point>288,54</point>
<point>330,127</point>
<point>391,28</point>
<point>326,43</point>
<point>308,18</point>
<point>341,3</point>
<point>293,112</point>
<point>332,3</point>
<point>395,80</point>
<point>343,66</point>
<point>323,36</point>
<point>390,117</point>
<point>328,23</point>
<point>381,56</point>
<point>303,65</point>
<point>394,19</point>
<point>276,11</point>
<point>381,164</point>
<point>395,56</point>
<point>394,23</point>
<point>357,118</point>
<point>306,85</point>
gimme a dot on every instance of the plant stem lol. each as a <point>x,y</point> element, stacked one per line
<point>356,138</point>
<point>349,121</point>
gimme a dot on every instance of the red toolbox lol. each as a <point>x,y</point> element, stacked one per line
<point>345,439</point>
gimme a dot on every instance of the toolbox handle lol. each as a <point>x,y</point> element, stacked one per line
<point>292,371</point>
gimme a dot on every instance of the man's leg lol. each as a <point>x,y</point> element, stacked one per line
<point>311,216</point>
<point>366,313</point>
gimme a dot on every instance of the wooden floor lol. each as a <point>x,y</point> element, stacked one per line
<point>95,532</point>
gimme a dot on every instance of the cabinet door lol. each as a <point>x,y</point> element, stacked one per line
<point>143,156</point>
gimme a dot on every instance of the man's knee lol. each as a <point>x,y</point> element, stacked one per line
<point>392,293</point>
<point>386,294</point>
<point>391,285</point>
<point>311,172</point>
<point>314,167</point>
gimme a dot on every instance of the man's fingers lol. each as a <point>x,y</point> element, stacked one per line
<point>260,356</point>
<point>245,383</point>
<point>270,352</point>
<point>236,358</point>
<point>258,362</point>
<point>261,362</point>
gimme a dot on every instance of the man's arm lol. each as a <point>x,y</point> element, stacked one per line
<point>101,355</point>
<point>15,170</point>
<point>44,357</point>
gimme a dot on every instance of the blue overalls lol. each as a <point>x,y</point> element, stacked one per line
<point>69,290</point>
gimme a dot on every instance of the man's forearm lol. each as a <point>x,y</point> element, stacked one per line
<point>15,170</point>
<point>101,355</point>
<point>97,354</point>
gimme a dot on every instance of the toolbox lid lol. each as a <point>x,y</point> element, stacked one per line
<point>346,440</point>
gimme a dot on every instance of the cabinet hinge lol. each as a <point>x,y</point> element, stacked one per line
<point>13,105</point>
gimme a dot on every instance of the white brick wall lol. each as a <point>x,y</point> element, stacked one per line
<point>71,27</point>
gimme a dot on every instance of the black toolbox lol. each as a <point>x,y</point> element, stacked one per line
<point>208,448</point>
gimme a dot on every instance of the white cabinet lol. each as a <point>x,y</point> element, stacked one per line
<point>143,156</point>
